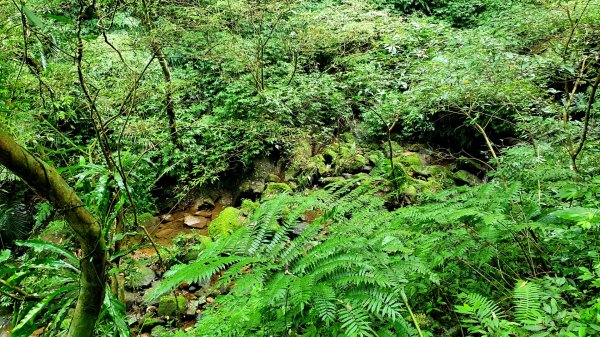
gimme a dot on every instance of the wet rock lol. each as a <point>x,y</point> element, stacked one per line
<point>300,228</point>
<point>252,187</point>
<point>225,200</point>
<point>201,300</point>
<point>217,210</point>
<point>465,177</point>
<point>140,277</point>
<point>331,180</point>
<point>264,167</point>
<point>131,299</point>
<point>226,223</point>
<point>167,217</point>
<point>192,289</point>
<point>165,233</point>
<point>171,305</point>
<point>191,307</point>
<point>206,214</point>
<point>203,203</point>
<point>196,221</point>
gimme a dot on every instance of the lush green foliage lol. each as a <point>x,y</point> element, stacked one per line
<point>168,98</point>
<point>506,255</point>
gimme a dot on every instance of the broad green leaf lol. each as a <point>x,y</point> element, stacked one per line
<point>4,255</point>
<point>116,310</point>
<point>34,19</point>
<point>31,315</point>
<point>59,18</point>
<point>39,245</point>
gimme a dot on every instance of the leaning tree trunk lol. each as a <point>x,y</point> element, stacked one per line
<point>47,182</point>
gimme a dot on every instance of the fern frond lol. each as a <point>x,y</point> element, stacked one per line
<point>324,301</point>
<point>479,307</point>
<point>381,302</point>
<point>527,298</point>
<point>301,290</point>
<point>196,272</point>
<point>355,321</point>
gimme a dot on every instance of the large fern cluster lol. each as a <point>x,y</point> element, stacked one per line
<point>330,279</point>
<point>359,269</point>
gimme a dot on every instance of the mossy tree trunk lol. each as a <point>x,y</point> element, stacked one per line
<point>47,182</point>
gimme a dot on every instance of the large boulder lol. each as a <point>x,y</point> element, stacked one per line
<point>140,277</point>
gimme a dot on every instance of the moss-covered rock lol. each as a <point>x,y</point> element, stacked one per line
<point>148,323</point>
<point>376,157</point>
<point>439,171</point>
<point>465,177</point>
<point>252,186</point>
<point>352,163</point>
<point>248,206</point>
<point>396,149</point>
<point>331,180</point>
<point>273,178</point>
<point>432,186</point>
<point>276,188</point>
<point>421,170</point>
<point>226,223</point>
<point>410,159</point>
<point>319,164</point>
<point>346,156</point>
<point>171,305</point>
<point>148,220</point>
<point>410,191</point>
<point>300,155</point>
